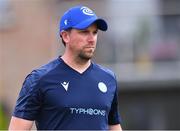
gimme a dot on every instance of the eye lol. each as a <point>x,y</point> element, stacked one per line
<point>95,32</point>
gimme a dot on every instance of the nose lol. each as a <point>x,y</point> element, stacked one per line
<point>91,37</point>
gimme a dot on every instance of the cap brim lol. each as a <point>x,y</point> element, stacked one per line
<point>101,24</point>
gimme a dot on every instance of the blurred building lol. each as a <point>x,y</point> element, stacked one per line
<point>141,46</point>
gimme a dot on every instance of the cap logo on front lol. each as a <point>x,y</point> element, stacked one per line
<point>86,11</point>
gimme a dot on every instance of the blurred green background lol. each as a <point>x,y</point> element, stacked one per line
<point>141,46</point>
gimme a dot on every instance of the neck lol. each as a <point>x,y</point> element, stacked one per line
<point>78,64</point>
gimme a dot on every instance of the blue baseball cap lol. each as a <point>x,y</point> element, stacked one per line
<point>81,17</point>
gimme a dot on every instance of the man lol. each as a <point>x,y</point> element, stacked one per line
<point>71,92</point>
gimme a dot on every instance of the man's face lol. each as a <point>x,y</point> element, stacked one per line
<point>82,43</point>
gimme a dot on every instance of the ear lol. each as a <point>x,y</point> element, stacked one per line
<point>65,36</point>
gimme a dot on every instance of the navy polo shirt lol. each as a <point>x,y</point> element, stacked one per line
<point>58,97</point>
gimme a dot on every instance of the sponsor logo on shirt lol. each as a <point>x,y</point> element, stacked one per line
<point>88,111</point>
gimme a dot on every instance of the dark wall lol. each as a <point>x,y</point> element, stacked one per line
<point>151,109</point>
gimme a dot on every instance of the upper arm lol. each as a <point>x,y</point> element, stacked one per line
<point>29,100</point>
<point>115,127</point>
<point>20,124</point>
<point>114,117</point>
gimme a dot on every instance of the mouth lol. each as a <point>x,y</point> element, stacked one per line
<point>90,47</point>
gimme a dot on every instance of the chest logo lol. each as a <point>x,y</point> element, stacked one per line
<point>102,87</point>
<point>65,85</point>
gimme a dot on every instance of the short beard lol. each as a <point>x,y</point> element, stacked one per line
<point>85,57</point>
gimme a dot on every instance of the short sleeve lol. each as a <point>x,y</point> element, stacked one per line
<point>29,101</point>
<point>114,117</point>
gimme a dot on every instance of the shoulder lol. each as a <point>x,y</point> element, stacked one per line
<point>104,70</point>
<point>44,69</point>
<point>35,76</point>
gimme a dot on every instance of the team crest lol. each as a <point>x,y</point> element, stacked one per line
<point>102,87</point>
